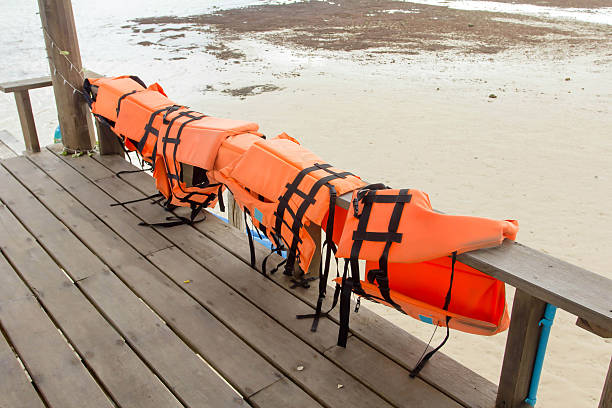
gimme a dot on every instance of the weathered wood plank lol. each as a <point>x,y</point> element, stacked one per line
<point>26,118</point>
<point>283,394</point>
<point>16,390</point>
<point>127,379</point>
<point>5,151</point>
<point>116,217</point>
<point>548,278</point>
<point>521,348</point>
<point>606,395</point>
<point>192,380</point>
<point>593,328</point>
<point>229,355</point>
<point>277,303</point>
<point>25,84</point>
<point>53,366</point>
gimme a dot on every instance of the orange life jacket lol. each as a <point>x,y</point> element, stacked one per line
<point>284,187</point>
<point>165,134</point>
<point>406,245</point>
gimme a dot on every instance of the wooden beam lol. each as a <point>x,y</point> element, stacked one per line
<point>235,216</point>
<point>521,348</point>
<point>26,118</point>
<point>593,328</point>
<point>606,394</point>
<point>62,46</point>
<point>25,84</point>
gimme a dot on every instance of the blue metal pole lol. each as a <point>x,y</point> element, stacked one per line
<point>546,323</point>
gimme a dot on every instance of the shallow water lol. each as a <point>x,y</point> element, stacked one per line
<point>588,15</point>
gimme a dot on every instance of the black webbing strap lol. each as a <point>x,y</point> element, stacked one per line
<point>150,129</point>
<point>220,195</point>
<point>299,215</point>
<point>381,275</point>
<point>121,98</point>
<point>119,173</point>
<point>324,271</point>
<point>345,299</point>
<point>307,200</point>
<point>251,244</point>
<point>175,220</point>
<point>417,369</point>
<point>138,199</point>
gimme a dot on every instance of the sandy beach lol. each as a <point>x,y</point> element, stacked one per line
<point>496,114</point>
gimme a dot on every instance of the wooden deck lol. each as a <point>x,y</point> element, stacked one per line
<point>97,311</point>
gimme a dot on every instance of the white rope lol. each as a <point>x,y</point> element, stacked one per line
<point>66,82</point>
<point>63,53</point>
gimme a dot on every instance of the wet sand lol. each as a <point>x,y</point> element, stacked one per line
<point>395,27</point>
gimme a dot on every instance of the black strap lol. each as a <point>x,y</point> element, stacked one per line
<point>417,369</point>
<point>119,173</point>
<point>345,301</point>
<point>251,244</point>
<point>307,200</point>
<point>121,98</point>
<point>150,129</point>
<point>138,199</point>
<point>324,270</point>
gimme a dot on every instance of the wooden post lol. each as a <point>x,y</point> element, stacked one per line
<point>64,56</point>
<point>521,348</point>
<point>234,213</point>
<point>315,233</point>
<point>26,118</point>
<point>606,395</point>
<point>108,141</point>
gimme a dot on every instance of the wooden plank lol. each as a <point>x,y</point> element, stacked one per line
<point>283,394</point>
<point>521,348</point>
<point>275,302</point>
<point>444,373</point>
<point>126,378</point>
<point>64,56</point>
<point>16,390</point>
<point>241,365</point>
<point>25,84</point>
<point>26,118</point>
<point>606,395</point>
<point>235,216</point>
<point>569,287</point>
<point>192,380</point>
<point>53,366</point>
<point>593,328</point>
<point>5,151</point>
<point>116,217</point>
